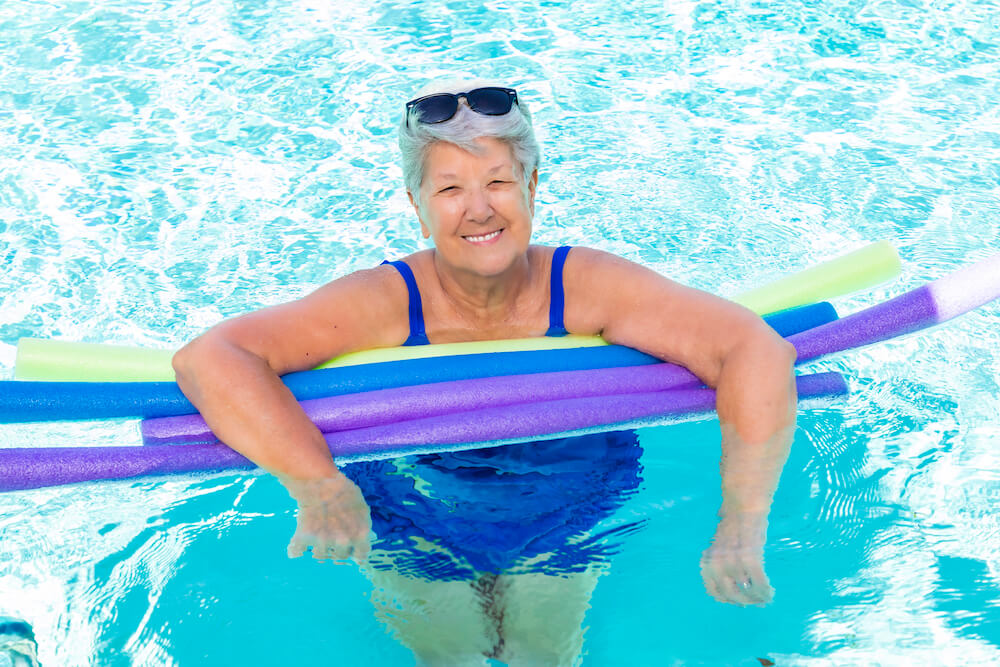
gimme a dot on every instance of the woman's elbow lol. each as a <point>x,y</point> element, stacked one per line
<point>184,360</point>
<point>785,352</point>
<point>196,356</point>
<point>765,344</point>
<point>217,351</point>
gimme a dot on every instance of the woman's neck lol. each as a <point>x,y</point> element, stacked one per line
<point>484,300</point>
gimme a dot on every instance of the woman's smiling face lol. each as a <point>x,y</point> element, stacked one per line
<point>476,206</point>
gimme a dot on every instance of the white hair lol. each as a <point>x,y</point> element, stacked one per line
<point>462,130</point>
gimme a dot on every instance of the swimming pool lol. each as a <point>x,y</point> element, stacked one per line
<point>165,165</point>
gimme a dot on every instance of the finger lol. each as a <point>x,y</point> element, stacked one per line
<point>296,547</point>
<point>321,550</point>
<point>337,551</point>
<point>333,550</point>
<point>708,578</point>
<point>761,598</point>
<point>760,577</point>
<point>761,593</point>
<point>737,589</point>
<point>361,551</point>
<point>713,589</point>
<point>757,592</point>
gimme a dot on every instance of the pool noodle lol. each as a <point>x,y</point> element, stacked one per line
<point>40,359</point>
<point>68,361</point>
<point>33,467</point>
<point>934,303</point>
<point>862,268</point>
<point>22,401</point>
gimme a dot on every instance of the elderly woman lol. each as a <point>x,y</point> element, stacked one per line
<point>470,163</point>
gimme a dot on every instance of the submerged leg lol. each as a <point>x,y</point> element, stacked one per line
<point>543,617</point>
<point>442,622</point>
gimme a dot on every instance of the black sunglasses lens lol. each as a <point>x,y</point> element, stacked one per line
<point>490,101</point>
<point>436,109</point>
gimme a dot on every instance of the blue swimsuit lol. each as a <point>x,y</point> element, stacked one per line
<point>489,510</point>
<point>556,303</point>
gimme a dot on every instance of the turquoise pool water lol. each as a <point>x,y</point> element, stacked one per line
<point>164,165</point>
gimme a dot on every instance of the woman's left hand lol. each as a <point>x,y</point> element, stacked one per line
<point>334,521</point>
<point>733,566</point>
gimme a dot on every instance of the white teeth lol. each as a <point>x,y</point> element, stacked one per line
<point>484,237</point>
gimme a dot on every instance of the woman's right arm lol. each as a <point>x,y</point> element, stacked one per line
<point>231,374</point>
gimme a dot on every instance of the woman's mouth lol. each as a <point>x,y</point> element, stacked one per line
<point>484,239</point>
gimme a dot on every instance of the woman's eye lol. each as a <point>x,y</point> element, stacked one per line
<point>497,181</point>
<point>450,187</point>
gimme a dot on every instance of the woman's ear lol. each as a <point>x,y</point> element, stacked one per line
<point>532,186</point>
<point>424,230</point>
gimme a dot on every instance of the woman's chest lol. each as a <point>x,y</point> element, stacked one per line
<point>527,318</point>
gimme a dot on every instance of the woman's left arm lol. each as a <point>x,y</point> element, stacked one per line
<point>730,349</point>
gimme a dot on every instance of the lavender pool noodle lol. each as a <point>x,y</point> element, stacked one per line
<point>386,406</point>
<point>930,304</point>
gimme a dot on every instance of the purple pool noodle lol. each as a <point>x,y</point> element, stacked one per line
<point>34,467</point>
<point>386,406</point>
<point>933,303</point>
<point>26,468</point>
<point>907,312</point>
<point>520,421</point>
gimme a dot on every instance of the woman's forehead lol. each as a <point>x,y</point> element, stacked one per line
<point>448,160</point>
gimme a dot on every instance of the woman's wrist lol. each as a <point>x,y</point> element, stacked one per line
<point>743,528</point>
<point>306,461</point>
<point>315,490</point>
<point>730,517</point>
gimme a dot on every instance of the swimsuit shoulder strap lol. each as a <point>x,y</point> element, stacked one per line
<point>417,334</point>
<point>557,297</point>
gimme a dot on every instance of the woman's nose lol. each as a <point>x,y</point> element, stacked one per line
<point>477,205</point>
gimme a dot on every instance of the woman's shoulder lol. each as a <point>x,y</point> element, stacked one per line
<point>602,274</point>
<point>583,268</point>
<point>601,286</point>
<point>583,261</point>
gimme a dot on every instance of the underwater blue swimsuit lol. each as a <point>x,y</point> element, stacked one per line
<point>493,508</point>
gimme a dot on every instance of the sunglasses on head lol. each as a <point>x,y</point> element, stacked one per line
<point>438,108</point>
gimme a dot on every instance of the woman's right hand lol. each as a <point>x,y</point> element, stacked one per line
<point>333,518</point>
<point>733,566</point>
